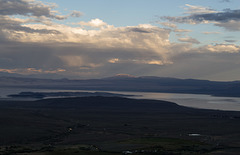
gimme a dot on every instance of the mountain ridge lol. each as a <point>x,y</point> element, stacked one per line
<point>126,83</point>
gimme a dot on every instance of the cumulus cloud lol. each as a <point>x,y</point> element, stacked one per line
<point>36,44</point>
<point>80,51</point>
<point>141,36</point>
<point>93,23</point>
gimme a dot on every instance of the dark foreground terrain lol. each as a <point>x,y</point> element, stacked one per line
<point>114,125</point>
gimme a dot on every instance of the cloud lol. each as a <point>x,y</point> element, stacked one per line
<point>124,51</point>
<point>189,40</point>
<point>170,25</point>
<point>182,30</point>
<point>82,52</point>
<point>140,30</point>
<point>142,44</point>
<point>210,33</point>
<point>113,60</point>
<point>229,19</point>
<point>231,25</point>
<point>145,37</point>
<point>17,24</point>
<point>231,41</point>
<point>223,1</point>
<point>156,62</point>
<point>27,11</point>
<point>28,8</point>
<point>203,65</point>
<point>34,43</point>
<point>196,17</point>
<point>140,61</point>
<point>191,9</point>
<point>222,48</point>
<point>93,23</point>
<point>225,16</point>
<point>28,71</point>
<point>76,14</point>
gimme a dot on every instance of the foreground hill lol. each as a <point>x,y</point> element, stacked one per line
<point>114,125</point>
<point>126,83</point>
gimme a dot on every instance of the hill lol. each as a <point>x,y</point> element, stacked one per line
<point>114,125</point>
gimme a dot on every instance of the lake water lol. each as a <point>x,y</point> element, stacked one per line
<point>189,100</point>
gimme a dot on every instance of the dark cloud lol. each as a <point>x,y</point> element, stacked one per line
<point>228,19</point>
<point>25,8</point>
<point>76,14</point>
<point>146,30</point>
<point>230,25</point>
<point>223,1</point>
<point>140,30</point>
<point>231,41</point>
<point>224,16</point>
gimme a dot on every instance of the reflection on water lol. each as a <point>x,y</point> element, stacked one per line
<point>189,100</point>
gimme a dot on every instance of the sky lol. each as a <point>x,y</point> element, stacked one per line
<point>81,39</point>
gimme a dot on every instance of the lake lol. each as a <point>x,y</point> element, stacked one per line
<point>189,100</point>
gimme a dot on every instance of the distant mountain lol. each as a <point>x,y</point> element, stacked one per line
<point>41,95</point>
<point>130,83</point>
<point>121,76</point>
<point>6,74</point>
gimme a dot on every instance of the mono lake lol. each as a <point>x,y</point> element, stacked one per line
<point>189,100</point>
<point>195,100</point>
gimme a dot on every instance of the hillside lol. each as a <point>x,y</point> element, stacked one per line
<point>112,125</point>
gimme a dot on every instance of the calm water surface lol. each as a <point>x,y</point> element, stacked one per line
<point>189,100</point>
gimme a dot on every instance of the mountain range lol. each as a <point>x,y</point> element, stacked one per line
<point>130,83</point>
